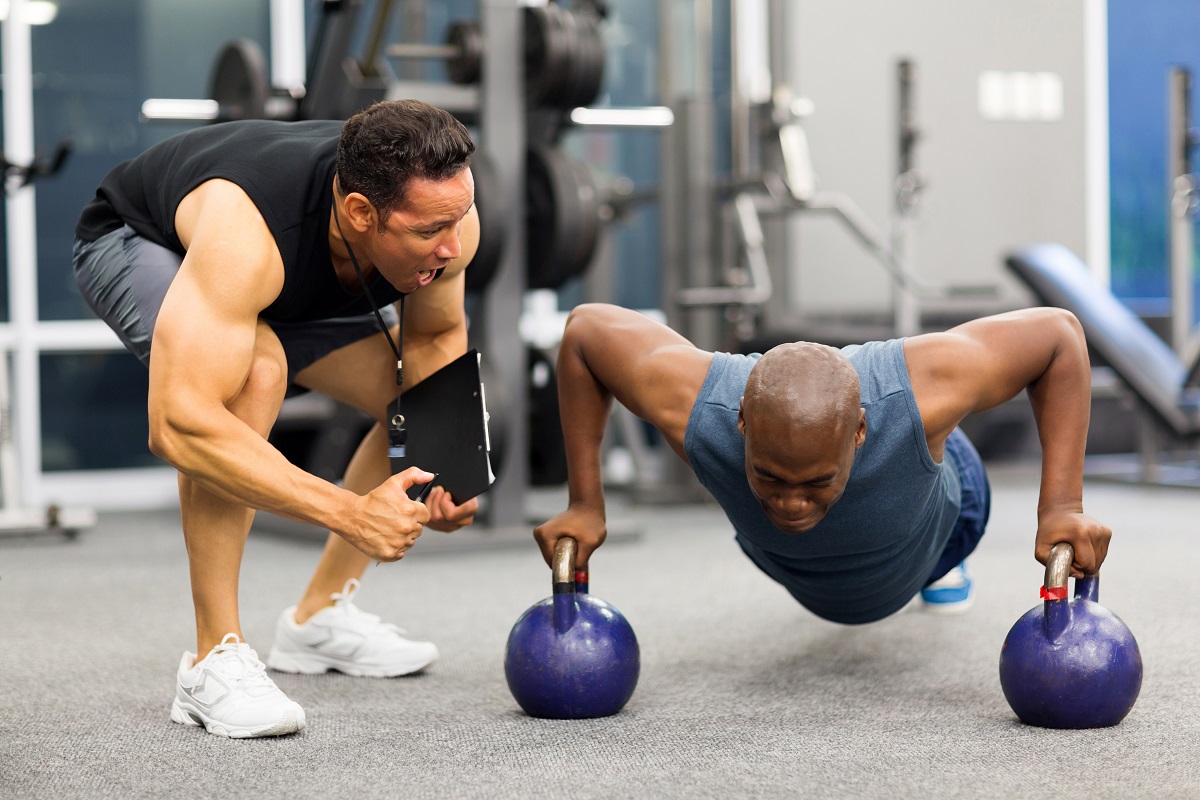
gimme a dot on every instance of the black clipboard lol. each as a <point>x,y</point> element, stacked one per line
<point>446,419</point>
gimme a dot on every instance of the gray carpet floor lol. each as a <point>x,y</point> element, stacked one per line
<point>742,692</point>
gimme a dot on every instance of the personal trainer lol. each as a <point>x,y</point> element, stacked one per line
<point>843,471</point>
<point>248,261</point>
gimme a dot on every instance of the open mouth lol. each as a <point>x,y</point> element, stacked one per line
<point>425,276</point>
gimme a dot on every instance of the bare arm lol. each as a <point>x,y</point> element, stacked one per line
<point>209,347</point>
<point>983,363</point>
<point>609,352</point>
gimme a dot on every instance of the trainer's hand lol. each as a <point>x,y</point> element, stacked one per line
<point>583,524</point>
<point>388,523</point>
<point>444,515</point>
<point>1088,537</point>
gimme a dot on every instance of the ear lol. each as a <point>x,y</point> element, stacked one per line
<point>358,211</point>
<point>860,435</point>
<point>742,417</point>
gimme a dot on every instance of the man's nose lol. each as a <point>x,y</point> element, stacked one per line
<point>451,245</point>
<point>793,503</point>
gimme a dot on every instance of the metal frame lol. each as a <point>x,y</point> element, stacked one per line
<point>24,339</point>
<point>502,122</point>
<point>29,501</point>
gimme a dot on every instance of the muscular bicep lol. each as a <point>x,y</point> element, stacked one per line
<point>647,367</point>
<point>204,337</point>
<point>986,362</point>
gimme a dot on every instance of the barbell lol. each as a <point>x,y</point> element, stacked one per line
<point>563,59</point>
<point>563,55</point>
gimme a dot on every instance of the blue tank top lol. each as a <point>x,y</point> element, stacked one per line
<point>877,545</point>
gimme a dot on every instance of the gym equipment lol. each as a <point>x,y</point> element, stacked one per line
<point>16,519</point>
<point>1070,663</point>
<point>547,448</point>
<point>38,168</point>
<point>492,231</point>
<point>1181,223</point>
<point>564,68</point>
<point>462,51</point>
<point>239,88</point>
<point>562,208</point>
<point>564,57</point>
<point>1162,384</point>
<point>571,655</point>
<point>906,312</point>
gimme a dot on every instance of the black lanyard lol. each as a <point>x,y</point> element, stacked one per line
<point>397,434</point>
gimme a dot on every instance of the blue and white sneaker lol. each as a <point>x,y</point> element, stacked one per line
<point>953,593</point>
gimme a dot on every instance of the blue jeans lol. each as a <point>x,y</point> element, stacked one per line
<point>976,504</point>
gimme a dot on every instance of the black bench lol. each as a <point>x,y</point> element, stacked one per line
<point>1119,339</point>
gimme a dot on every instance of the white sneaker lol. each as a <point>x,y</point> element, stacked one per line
<point>230,694</point>
<point>345,638</point>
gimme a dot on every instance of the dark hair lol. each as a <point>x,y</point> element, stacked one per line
<point>389,143</point>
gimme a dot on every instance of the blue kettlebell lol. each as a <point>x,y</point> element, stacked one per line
<point>571,655</point>
<point>1070,663</point>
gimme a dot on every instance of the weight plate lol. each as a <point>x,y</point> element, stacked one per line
<point>545,54</point>
<point>465,68</point>
<point>239,82</point>
<point>489,202</point>
<point>568,86</point>
<point>562,218</point>
<point>582,89</point>
<point>594,62</point>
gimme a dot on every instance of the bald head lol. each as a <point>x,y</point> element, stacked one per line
<point>804,384</point>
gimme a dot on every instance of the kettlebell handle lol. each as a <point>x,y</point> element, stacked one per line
<point>1058,570</point>
<point>1058,565</point>
<point>566,578</point>
<point>563,565</point>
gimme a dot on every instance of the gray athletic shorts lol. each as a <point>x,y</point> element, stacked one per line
<point>124,278</point>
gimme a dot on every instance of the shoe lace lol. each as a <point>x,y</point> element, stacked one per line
<point>344,602</point>
<point>240,664</point>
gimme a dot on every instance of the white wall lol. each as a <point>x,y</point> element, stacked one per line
<point>991,184</point>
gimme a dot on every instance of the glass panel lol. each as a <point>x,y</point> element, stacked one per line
<point>1145,39</point>
<point>93,66</point>
<point>630,80</point>
<point>94,412</point>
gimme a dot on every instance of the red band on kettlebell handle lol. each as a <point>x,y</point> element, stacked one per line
<point>1054,593</point>
<point>581,576</point>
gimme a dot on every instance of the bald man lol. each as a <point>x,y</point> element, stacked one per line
<point>844,472</point>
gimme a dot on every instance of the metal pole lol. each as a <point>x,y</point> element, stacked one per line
<point>1182,190</point>
<point>288,49</point>
<point>502,123</point>
<point>22,258</point>
<point>684,166</point>
<point>906,314</point>
<point>697,162</point>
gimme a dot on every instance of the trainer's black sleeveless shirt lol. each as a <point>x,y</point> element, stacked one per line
<point>286,168</point>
